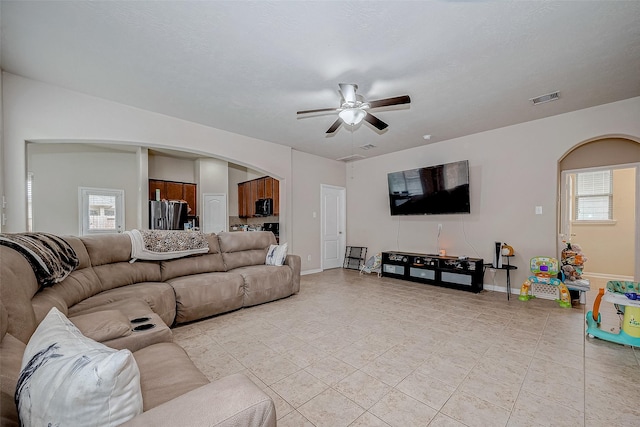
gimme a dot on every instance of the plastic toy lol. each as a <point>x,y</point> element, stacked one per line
<point>507,250</point>
<point>545,271</point>
<point>621,294</point>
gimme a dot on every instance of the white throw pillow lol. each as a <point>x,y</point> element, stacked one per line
<point>276,254</point>
<point>68,379</point>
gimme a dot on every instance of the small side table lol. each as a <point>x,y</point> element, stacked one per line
<point>508,267</point>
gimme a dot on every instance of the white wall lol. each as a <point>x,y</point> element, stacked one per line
<point>2,193</point>
<point>61,168</point>
<point>167,168</point>
<point>512,170</point>
<point>212,176</point>
<point>36,111</point>
<point>308,173</point>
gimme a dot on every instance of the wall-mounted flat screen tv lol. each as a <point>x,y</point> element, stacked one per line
<point>432,190</point>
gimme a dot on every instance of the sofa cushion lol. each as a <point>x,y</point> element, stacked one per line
<point>69,379</point>
<point>158,295</point>
<point>11,350</point>
<point>133,309</point>
<point>110,255</point>
<point>264,283</point>
<point>103,325</point>
<point>246,248</point>
<point>231,401</point>
<point>4,321</point>
<point>18,285</point>
<point>107,248</point>
<point>206,263</point>
<point>207,294</point>
<point>79,285</point>
<point>166,372</point>
<point>125,273</point>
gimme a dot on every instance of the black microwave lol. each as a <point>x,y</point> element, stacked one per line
<point>264,207</point>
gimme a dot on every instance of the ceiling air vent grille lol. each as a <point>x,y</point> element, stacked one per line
<point>367,146</point>
<point>545,98</point>
<point>351,158</point>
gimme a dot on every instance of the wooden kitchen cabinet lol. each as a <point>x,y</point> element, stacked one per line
<point>272,191</point>
<point>173,190</point>
<point>189,193</point>
<point>242,206</point>
<point>261,188</point>
<point>154,185</point>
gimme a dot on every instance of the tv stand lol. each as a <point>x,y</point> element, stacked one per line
<point>451,272</point>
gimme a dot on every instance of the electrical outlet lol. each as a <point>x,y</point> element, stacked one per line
<point>308,257</point>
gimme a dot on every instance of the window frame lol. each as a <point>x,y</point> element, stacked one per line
<point>84,194</point>
<point>577,197</point>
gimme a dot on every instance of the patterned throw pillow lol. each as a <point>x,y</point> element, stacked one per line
<point>276,254</point>
<point>68,379</point>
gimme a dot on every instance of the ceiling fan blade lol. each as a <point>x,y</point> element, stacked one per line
<point>376,121</point>
<point>320,110</point>
<point>335,126</point>
<point>390,101</point>
<point>348,92</point>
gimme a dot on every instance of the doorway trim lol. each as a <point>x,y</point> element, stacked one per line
<point>564,211</point>
<point>342,221</point>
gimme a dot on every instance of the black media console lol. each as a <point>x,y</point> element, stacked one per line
<point>452,272</point>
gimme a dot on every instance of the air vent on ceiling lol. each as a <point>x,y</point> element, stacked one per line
<point>367,146</point>
<point>351,158</point>
<point>545,98</point>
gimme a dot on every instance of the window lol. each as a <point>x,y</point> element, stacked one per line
<point>29,201</point>
<point>594,196</point>
<point>101,210</point>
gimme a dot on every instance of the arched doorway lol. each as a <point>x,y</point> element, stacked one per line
<point>599,199</point>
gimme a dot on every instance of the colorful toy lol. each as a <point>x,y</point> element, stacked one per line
<point>621,294</point>
<point>545,271</point>
<point>573,256</point>
<point>507,250</point>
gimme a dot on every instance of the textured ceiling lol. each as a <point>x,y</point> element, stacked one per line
<point>247,67</point>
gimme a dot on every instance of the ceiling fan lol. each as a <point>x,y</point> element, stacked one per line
<point>353,108</point>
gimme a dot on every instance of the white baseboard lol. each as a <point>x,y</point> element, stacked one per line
<point>496,288</point>
<point>317,270</point>
<point>608,276</point>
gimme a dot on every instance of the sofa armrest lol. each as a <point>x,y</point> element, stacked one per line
<point>230,401</point>
<point>295,263</point>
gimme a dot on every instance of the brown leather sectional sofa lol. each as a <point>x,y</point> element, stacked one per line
<point>107,291</point>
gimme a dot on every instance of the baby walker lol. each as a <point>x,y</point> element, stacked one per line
<point>626,299</point>
<point>545,271</point>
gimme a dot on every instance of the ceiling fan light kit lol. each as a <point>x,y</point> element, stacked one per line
<point>352,116</point>
<point>352,109</point>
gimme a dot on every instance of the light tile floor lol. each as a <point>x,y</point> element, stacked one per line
<point>358,350</point>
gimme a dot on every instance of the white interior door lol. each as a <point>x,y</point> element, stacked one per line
<point>333,226</point>
<point>101,210</point>
<point>214,213</point>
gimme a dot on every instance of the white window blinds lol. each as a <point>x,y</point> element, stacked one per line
<point>594,196</point>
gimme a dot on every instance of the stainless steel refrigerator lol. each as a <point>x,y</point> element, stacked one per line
<point>167,215</point>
